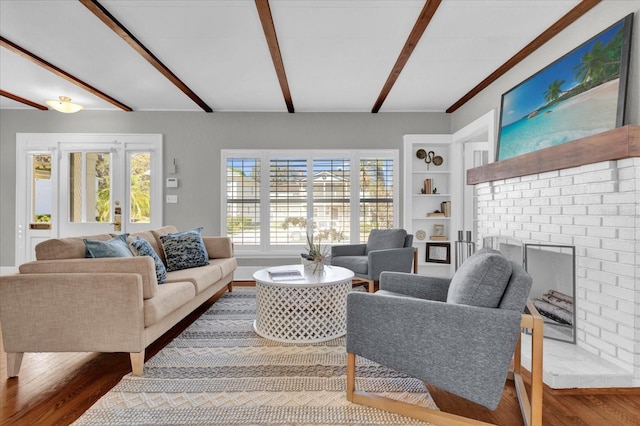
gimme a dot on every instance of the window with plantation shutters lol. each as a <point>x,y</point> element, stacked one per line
<point>335,196</point>
<point>242,211</point>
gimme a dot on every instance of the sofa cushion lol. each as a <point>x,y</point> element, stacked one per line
<point>481,280</point>
<point>382,239</point>
<point>168,229</point>
<point>142,265</point>
<point>66,248</point>
<point>148,237</point>
<point>169,298</point>
<point>184,250</point>
<point>115,247</point>
<point>227,266</point>
<point>142,247</point>
<point>201,278</point>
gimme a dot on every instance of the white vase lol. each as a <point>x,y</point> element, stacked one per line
<point>313,266</point>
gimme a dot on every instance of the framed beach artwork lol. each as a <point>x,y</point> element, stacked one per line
<point>581,94</point>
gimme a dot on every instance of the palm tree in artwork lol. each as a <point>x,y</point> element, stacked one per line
<point>554,90</point>
<point>592,64</point>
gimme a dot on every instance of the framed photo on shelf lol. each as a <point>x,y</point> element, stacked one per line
<point>438,253</point>
<point>438,230</point>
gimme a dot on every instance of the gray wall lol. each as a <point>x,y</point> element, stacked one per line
<point>195,139</point>
<point>597,19</point>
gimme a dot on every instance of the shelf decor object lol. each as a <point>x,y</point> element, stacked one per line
<point>438,253</point>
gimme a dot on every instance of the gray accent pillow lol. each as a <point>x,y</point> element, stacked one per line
<point>481,280</point>
<point>184,250</point>
<point>115,247</point>
<point>382,239</point>
<point>142,247</point>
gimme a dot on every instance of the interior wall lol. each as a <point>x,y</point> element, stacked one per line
<point>195,139</point>
<point>597,19</point>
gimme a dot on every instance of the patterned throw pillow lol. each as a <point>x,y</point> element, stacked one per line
<point>184,250</point>
<point>115,247</point>
<point>141,247</point>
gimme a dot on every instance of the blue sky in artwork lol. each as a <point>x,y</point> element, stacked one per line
<point>529,95</point>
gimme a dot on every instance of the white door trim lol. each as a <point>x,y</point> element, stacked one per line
<point>27,143</point>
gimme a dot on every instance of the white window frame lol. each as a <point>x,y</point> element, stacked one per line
<point>264,249</point>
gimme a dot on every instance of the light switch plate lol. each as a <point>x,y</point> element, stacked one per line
<point>172,199</point>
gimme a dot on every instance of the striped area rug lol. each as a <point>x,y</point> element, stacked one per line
<point>220,372</point>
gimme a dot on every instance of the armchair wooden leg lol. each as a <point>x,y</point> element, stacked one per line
<point>230,287</point>
<point>137,363</point>
<point>531,408</point>
<point>14,361</point>
<point>351,376</point>
<point>399,407</point>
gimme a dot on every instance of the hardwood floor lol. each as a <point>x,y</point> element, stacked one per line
<point>56,388</point>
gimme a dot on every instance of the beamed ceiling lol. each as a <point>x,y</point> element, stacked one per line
<point>260,55</point>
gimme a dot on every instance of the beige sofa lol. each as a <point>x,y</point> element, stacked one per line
<point>64,302</point>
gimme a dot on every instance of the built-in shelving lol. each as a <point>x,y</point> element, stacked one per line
<point>417,204</point>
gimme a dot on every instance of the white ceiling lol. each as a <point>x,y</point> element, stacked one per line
<point>337,53</point>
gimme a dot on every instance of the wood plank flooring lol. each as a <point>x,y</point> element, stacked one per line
<point>56,388</point>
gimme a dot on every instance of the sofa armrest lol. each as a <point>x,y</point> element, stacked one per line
<point>218,247</point>
<point>85,312</point>
<point>141,265</point>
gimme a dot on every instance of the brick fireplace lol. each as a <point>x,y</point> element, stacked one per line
<point>596,208</point>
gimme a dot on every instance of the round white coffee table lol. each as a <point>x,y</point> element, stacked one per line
<point>310,309</point>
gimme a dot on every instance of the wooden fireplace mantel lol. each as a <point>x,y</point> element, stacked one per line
<point>617,144</point>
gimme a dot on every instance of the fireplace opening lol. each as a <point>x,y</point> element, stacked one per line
<point>553,271</point>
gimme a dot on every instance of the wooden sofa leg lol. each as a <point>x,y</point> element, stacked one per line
<point>14,361</point>
<point>230,286</point>
<point>137,363</point>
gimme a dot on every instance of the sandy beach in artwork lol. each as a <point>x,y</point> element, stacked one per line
<point>608,90</point>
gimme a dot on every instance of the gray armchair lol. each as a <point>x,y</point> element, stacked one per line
<point>458,334</point>
<point>385,250</point>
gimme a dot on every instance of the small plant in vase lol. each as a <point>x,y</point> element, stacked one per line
<point>313,260</point>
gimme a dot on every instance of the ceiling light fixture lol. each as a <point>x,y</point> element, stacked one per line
<point>64,104</point>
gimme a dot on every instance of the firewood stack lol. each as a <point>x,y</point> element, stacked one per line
<point>556,306</point>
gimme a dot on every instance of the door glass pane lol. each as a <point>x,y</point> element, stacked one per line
<point>89,186</point>
<point>140,197</point>
<point>41,190</point>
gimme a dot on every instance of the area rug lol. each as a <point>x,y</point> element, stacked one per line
<point>220,372</point>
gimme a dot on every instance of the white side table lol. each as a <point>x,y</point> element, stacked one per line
<point>308,310</point>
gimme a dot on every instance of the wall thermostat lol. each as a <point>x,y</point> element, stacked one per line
<point>172,182</point>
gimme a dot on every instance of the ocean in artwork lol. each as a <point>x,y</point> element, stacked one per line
<point>588,113</point>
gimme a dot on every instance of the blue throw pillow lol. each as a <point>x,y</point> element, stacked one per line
<point>115,247</point>
<point>184,250</point>
<point>141,247</point>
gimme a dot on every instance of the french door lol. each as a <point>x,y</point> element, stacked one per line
<point>83,184</point>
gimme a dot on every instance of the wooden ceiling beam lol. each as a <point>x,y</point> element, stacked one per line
<point>110,21</point>
<point>23,100</point>
<point>428,10</point>
<point>570,17</point>
<point>60,72</point>
<point>266,19</point>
